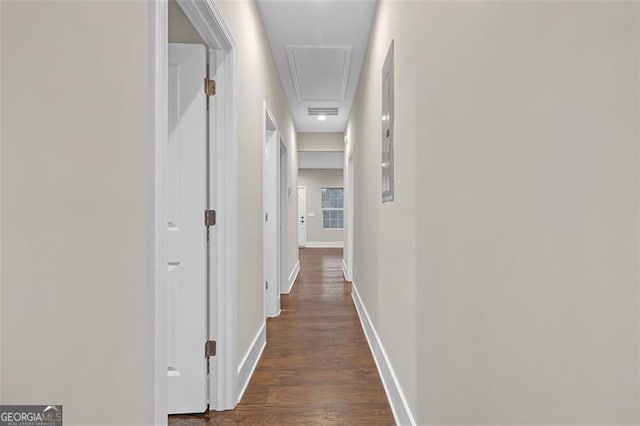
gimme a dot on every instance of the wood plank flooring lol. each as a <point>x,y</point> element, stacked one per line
<point>316,368</point>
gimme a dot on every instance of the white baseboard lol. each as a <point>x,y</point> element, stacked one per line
<point>344,271</point>
<point>324,244</point>
<point>401,411</point>
<point>292,279</point>
<point>250,360</point>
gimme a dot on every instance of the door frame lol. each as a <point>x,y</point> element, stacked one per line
<point>306,218</point>
<point>349,177</point>
<point>284,194</point>
<point>207,19</point>
<point>270,191</point>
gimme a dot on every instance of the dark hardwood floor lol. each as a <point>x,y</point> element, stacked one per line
<point>316,368</point>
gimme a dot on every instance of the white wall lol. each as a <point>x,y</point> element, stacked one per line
<point>314,180</point>
<point>1,197</point>
<point>257,80</point>
<point>76,177</point>
<point>503,279</point>
<point>320,159</point>
<point>320,141</point>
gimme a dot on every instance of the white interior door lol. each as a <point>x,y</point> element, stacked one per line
<point>302,216</point>
<point>186,202</point>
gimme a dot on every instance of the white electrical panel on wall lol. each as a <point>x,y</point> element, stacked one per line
<point>387,127</point>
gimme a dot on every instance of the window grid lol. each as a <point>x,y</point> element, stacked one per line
<point>332,208</point>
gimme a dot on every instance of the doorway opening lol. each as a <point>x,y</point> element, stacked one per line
<point>348,261</point>
<point>215,190</point>
<point>302,216</point>
<point>272,212</point>
<point>284,194</point>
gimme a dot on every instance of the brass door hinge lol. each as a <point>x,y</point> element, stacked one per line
<point>209,217</point>
<point>210,348</point>
<point>209,87</point>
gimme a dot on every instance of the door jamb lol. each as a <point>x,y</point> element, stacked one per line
<point>208,21</point>
<point>271,308</point>
<point>350,184</point>
<point>283,214</point>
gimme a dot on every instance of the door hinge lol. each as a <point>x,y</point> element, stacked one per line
<point>266,285</point>
<point>209,87</point>
<point>210,348</point>
<point>266,217</point>
<point>209,217</point>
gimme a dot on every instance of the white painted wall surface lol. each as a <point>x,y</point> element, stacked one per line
<point>77,188</point>
<point>314,180</point>
<point>257,80</point>
<point>503,279</point>
<point>320,159</point>
<point>1,197</point>
<point>320,141</point>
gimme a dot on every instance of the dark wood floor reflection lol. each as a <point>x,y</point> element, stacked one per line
<point>316,368</point>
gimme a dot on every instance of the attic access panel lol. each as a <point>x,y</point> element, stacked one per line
<point>387,164</point>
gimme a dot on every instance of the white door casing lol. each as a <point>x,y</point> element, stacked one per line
<point>302,216</point>
<point>350,214</point>
<point>186,241</point>
<point>283,203</point>
<point>271,224</point>
<point>207,18</point>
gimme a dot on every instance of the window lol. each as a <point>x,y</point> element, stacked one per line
<point>332,208</point>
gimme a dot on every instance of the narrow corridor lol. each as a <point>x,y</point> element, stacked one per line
<point>316,367</point>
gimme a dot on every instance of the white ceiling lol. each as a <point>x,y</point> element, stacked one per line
<point>318,47</point>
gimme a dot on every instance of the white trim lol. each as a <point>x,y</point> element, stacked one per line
<point>223,194</point>
<point>250,360</point>
<point>158,60</point>
<point>324,244</point>
<point>344,271</point>
<point>292,278</point>
<point>283,213</point>
<point>270,207</point>
<point>349,204</point>
<point>209,23</point>
<point>398,402</point>
<point>206,18</point>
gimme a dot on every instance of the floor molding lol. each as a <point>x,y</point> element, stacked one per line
<point>344,271</point>
<point>324,244</point>
<point>250,360</point>
<point>292,278</point>
<point>397,401</point>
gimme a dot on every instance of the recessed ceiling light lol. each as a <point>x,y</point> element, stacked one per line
<point>322,117</point>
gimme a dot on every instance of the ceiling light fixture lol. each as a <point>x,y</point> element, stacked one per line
<point>322,117</point>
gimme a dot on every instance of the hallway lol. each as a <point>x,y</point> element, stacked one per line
<point>316,367</point>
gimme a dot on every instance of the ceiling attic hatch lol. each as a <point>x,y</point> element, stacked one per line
<point>319,58</point>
